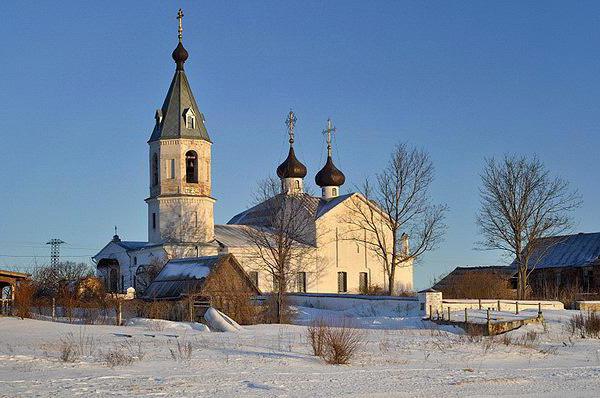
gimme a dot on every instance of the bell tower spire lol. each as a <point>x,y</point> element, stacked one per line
<point>180,205</point>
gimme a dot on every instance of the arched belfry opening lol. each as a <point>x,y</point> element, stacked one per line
<point>191,167</point>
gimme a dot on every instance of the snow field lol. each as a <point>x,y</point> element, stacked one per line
<point>401,356</point>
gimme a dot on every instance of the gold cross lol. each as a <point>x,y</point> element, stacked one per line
<point>180,18</point>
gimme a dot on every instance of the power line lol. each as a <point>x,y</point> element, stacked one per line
<point>22,256</point>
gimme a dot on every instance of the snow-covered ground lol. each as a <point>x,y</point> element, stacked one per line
<point>401,356</point>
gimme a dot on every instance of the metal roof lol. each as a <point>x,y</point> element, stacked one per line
<point>179,99</point>
<point>259,214</point>
<point>181,276</point>
<point>578,250</point>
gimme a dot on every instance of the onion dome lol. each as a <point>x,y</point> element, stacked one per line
<point>180,55</point>
<point>330,175</point>
<point>291,167</point>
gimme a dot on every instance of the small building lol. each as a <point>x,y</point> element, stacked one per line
<point>489,281</point>
<point>216,281</point>
<point>566,263</point>
<point>9,282</point>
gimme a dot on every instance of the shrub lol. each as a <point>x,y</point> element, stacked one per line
<point>268,311</point>
<point>117,356</point>
<point>341,343</point>
<point>182,352</point>
<point>337,345</point>
<point>585,324</point>
<point>73,347</point>
<point>316,336</point>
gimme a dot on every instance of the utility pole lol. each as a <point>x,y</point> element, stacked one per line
<point>55,251</point>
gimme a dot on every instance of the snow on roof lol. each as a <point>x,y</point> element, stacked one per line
<point>132,245</point>
<point>181,276</point>
<point>578,250</point>
<point>232,235</point>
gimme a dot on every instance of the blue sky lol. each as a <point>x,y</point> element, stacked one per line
<point>462,80</point>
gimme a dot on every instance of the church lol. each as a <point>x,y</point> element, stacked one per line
<point>336,258</point>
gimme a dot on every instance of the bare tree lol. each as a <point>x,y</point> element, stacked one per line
<point>49,279</point>
<point>520,204</point>
<point>282,236</point>
<point>397,206</point>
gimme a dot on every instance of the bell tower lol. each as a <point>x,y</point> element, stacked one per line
<point>180,206</point>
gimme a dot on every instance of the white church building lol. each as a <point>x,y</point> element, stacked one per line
<point>181,219</point>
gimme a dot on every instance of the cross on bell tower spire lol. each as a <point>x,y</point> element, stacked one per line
<point>180,30</point>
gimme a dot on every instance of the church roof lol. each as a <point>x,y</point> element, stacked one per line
<point>170,120</point>
<point>259,214</point>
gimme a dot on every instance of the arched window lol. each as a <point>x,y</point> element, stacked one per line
<point>334,191</point>
<point>155,170</point>
<point>190,122</point>
<point>191,167</point>
<point>298,184</point>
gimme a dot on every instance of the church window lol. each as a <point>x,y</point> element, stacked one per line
<point>153,220</point>
<point>254,277</point>
<point>172,169</point>
<point>189,118</point>
<point>134,260</point>
<point>363,282</point>
<point>155,170</point>
<point>334,192</point>
<point>191,167</point>
<point>301,282</point>
<point>298,184</point>
<point>342,282</point>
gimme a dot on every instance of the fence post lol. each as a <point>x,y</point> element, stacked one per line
<point>479,303</point>
<point>53,308</point>
<point>430,312</point>
<point>437,314</point>
<point>539,310</point>
<point>119,313</point>
<point>191,309</point>
<point>517,307</point>
<point>488,315</point>
<point>466,319</point>
<point>448,314</point>
<point>498,305</point>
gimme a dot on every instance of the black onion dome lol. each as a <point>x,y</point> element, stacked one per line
<point>180,55</point>
<point>291,167</point>
<point>330,175</point>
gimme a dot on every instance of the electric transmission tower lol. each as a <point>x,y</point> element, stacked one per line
<point>55,251</point>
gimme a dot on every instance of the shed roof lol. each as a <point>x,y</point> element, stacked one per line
<point>181,276</point>
<point>565,251</point>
